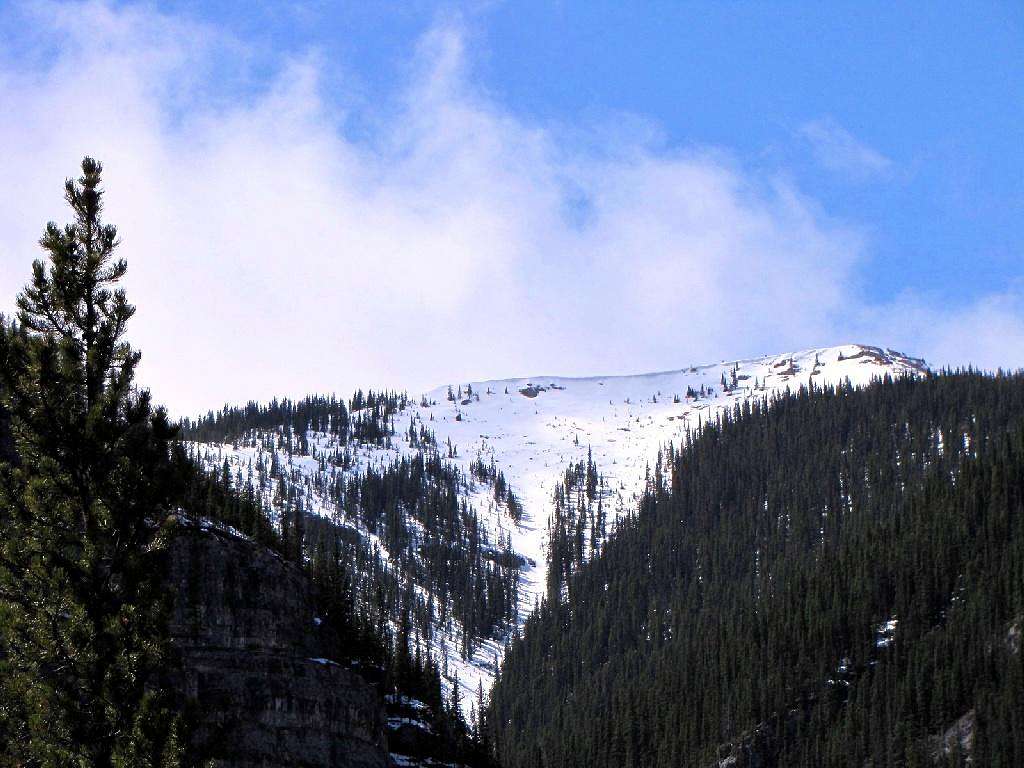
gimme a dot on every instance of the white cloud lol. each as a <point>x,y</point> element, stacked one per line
<point>838,150</point>
<point>270,253</point>
<point>987,333</point>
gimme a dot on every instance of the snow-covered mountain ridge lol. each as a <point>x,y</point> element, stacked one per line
<point>533,429</point>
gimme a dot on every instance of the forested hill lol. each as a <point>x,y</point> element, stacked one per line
<point>834,577</point>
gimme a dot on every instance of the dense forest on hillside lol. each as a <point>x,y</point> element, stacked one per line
<point>830,578</point>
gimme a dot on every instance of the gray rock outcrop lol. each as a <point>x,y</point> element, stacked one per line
<point>244,628</point>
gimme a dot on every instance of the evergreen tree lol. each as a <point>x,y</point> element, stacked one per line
<point>85,504</point>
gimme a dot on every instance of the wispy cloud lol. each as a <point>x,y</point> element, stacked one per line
<point>839,151</point>
<point>272,253</point>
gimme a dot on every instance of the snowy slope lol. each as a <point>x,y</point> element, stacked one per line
<point>534,428</point>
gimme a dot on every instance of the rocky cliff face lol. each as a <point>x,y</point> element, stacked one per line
<point>243,624</point>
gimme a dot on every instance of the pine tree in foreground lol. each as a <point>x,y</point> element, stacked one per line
<point>84,503</point>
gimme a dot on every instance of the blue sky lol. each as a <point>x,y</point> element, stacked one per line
<point>939,95</point>
<point>769,175</point>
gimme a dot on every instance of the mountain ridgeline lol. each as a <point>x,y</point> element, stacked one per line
<point>831,577</point>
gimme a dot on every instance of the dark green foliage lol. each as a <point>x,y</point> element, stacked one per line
<point>743,606</point>
<point>367,419</point>
<point>217,497</point>
<point>86,487</point>
<point>578,524</point>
